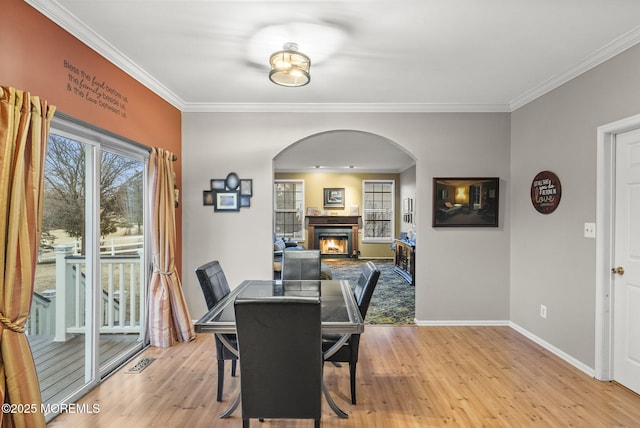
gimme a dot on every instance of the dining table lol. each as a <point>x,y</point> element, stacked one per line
<point>339,311</point>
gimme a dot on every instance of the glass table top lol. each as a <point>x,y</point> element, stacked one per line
<point>340,313</point>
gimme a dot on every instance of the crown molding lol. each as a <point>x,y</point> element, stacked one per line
<point>603,54</point>
<point>344,108</point>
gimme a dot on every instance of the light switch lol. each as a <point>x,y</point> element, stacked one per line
<point>589,230</point>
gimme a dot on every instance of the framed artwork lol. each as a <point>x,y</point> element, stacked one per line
<point>218,184</point>
<point>207,197</point>
<point>246,187</point>
<point>465,202</point>
<point>334,197</point>
<point>228,194</point>
<point>227,201</point>
<point>407,210</point>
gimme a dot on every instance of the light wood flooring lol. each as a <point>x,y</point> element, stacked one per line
<point>408,376</point>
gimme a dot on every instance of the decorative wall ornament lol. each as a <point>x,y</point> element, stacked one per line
<point>407,210</point>
<point>228,194</point>
<point>546,192</point>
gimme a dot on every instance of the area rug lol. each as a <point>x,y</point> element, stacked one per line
<point>393,301</point>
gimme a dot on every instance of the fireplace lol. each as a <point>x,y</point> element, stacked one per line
<point>333,242</point>
<point>334,236</point>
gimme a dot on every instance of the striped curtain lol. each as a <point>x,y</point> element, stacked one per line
<point>169,319</point>
<point>24,130</point>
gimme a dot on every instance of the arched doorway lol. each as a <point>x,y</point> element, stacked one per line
<point>350,162</point>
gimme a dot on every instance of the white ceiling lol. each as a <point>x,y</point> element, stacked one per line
<point>381,55</point>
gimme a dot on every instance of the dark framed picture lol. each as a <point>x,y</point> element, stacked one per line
<point>245,201</point>
<point>334,197</point>
<point>465,202</point>
<point>246,187</point>
<point>227,201</point>
<point>218,184</point>
<point>207,197</point>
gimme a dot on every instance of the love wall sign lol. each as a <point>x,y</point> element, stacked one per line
<point>546,192</point>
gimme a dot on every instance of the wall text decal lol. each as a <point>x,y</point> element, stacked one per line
<point>95,91</point>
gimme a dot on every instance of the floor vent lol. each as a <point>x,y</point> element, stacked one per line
<point>140,365</point>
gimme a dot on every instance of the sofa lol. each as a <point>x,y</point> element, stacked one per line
<point>449,209</point>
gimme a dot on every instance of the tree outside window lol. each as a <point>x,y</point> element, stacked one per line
<point>378,214</point>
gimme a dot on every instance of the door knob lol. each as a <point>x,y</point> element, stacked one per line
<point>618,270</point>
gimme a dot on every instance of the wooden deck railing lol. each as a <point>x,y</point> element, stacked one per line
<point>62,312</point>
<point>41,319</point>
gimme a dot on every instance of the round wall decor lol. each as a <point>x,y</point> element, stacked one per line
<point>232,181</point>
<point>546,192</point>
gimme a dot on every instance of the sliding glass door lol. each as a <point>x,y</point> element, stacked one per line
<point>89,303</point>
<point>122,299</point>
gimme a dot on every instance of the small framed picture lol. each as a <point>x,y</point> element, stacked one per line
<point>218,184</point>
<point>227,201</point>
<point>207,197</point>
<point>334,197</point>
<point>246,187</point>
<point>245,201</point>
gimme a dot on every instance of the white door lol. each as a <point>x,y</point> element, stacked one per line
<point>626,330</point>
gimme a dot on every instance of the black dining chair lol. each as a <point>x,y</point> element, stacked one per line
<point>215,287</point>
<point>301,265</point>
<point>280,345</point>
<point>348,353</point>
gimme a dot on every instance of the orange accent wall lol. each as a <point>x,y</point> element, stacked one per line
<point>38,56</point>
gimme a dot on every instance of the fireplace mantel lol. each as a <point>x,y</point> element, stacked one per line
<point>318,222</point>
<point>334,220</point>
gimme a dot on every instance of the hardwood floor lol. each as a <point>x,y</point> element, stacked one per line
<point>408,376</point>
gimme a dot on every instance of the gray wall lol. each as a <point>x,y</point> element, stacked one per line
<point>462,274</point>
<point>551,262</point>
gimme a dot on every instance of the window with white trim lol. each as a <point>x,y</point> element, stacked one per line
<point>289,209</point>
<point>378,212</point>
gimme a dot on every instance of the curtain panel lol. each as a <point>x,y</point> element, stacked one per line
<point>24,131</point>
<point>169,319</point>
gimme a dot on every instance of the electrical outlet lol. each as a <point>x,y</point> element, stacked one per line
<point>589,230</point>
<point>543,311</point>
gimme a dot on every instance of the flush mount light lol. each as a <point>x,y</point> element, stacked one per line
<point>289,67</point>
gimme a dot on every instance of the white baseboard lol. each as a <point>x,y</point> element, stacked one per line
<point>497,323</point>
<point>549,347</point>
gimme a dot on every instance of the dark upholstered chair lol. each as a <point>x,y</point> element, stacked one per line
<point>301,265</point>
<point>348,353</point>
<point>215,287</point>
<point>280,344</point>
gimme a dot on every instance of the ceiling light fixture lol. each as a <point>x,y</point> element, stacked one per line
<point>289,67</point>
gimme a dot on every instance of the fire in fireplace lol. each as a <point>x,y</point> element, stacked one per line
<point>333,241</point>
<point>333,245</point>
